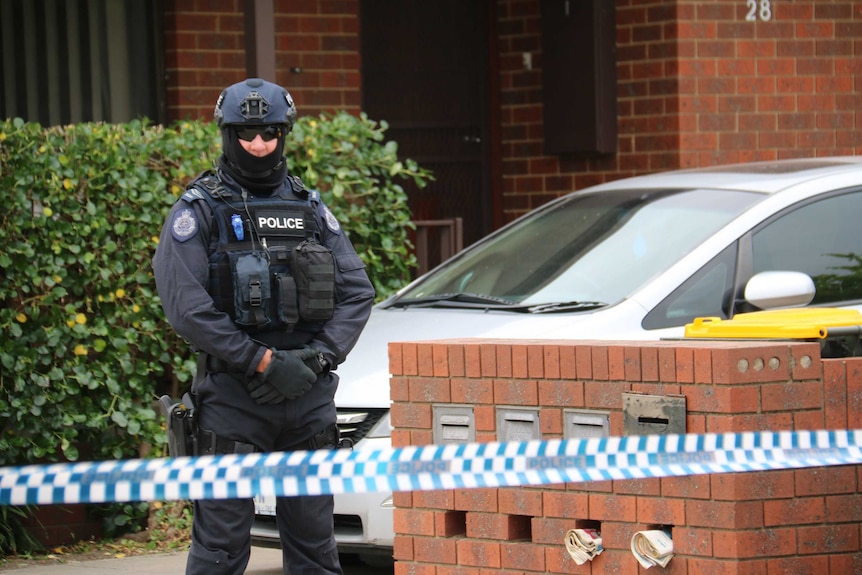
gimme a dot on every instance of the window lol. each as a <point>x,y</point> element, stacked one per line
<point>707,293</point>
<point>69,61</point>
<point>822,239</point>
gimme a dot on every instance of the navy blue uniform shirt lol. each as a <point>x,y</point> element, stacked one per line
<point>181,266</point>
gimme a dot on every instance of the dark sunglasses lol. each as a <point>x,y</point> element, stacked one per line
<point>249,133</point>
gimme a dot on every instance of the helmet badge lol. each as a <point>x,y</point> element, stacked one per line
<point>254,106</point>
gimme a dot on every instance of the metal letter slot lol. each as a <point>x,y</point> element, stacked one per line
<point>453,424</point>
<point>517,424</point>
<point>653,414</point>
<point>579,424</point>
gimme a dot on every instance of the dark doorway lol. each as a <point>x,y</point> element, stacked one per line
<point>425,71</point>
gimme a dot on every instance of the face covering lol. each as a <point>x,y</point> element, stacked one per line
<point>258,175</point>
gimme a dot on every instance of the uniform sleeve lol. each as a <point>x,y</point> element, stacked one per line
<point>181,269</point>
<point>354,293</point>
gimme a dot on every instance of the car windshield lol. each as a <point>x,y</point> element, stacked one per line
<point>592,247</point>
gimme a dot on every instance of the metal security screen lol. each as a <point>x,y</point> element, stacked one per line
<point>68,61</point>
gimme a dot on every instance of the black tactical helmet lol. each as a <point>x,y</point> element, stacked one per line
<point>251,107</point>
<point>255,101</point>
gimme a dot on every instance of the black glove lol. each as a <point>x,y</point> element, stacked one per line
<point>263,392</point>
<point>287,376</point>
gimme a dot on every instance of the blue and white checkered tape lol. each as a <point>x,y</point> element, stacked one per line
<point>414,468</point>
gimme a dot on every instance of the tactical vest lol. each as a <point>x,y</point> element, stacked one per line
<point>267,267</point>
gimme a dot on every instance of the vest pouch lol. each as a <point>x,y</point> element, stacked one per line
<point>286,300</point>
<point>313,267</point>
<point>252,292</point>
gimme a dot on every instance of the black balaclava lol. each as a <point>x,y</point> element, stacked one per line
<point>259,175</point>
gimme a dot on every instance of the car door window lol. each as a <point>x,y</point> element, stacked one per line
<point>822,239</point>
<point>707,293</point>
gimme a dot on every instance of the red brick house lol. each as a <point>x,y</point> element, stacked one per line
<point>510,102</point>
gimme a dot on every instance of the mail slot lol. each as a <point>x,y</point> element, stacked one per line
<point>453,424</point>
<point>517,424</point>
<point>653,414</point>
<point>583,423</point>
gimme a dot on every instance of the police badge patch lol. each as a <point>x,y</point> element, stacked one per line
<point>331,222</point>
<point>184,226</point>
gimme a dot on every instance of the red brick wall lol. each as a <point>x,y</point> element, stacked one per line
<point>698,84</point>
<point>777,88</point>
<point>791,522</point>
<point>204,52</point>
<point>317,54</point>
<point>320,37</point>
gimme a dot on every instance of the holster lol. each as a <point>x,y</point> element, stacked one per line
<point>181,425</point>
<point>330,438</point>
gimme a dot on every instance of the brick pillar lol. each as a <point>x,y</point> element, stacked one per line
<point>756,523</point>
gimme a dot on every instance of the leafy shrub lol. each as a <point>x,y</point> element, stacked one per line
<point>14,536</point>
<point>86,349</point>
<point>356,170</point>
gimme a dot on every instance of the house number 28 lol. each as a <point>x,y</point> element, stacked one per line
<point>758,9</point>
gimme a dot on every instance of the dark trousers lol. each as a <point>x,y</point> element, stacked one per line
<point>221,540</point>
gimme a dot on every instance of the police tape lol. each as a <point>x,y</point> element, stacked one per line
<point>430,467</point>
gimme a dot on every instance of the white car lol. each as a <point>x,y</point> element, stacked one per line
<point>634,259</point>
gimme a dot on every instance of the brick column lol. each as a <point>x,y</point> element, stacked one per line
<point>763,523</point>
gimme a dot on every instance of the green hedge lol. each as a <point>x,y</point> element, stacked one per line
<point>86,348</point>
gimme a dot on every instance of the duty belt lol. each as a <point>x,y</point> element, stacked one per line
<point>211,444</point>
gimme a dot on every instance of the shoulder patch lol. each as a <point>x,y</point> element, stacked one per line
<point>331,221</point>
<point>184,225</point>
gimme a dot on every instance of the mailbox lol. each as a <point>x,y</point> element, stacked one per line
<point>453,424</point>
<point>653,414</point>
<point>517,424</point>
<point>584,423</point>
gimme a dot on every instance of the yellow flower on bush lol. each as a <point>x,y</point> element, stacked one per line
<point>47,211</point>
<point>21,317</point>
<point>80,350</point>
<point>120,292</point>
<point>80,319</point>
<point>136,308</point>
<point>67,184</point>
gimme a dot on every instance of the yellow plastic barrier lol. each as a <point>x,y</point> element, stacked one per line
<point>838,330</point>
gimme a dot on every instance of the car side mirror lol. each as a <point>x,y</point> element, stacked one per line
<point>776,289</point>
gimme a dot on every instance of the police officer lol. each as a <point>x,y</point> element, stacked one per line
<point>259,276</point>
